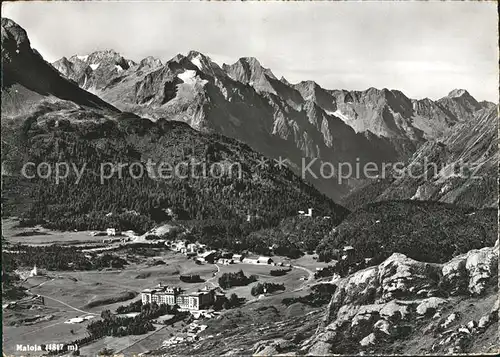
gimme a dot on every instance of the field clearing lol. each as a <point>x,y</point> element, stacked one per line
<point>308,262</point>
<point>45,236</point>
<point>152,341</point>
<point>117,344</point>
<point>292,279</point>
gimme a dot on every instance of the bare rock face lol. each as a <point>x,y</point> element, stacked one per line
<point>274,348</point>
<point>98,69</point>
<point>248,70</point>
<point>460,169</point>
<point>380,305</point>
<point>474,271</point>
<point>149,63</point>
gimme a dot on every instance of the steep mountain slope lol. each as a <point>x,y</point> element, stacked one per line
<point>461,169</point>
<point>197,176</point>
<point>27,79</point>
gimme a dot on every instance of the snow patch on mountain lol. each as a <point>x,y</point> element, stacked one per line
<point>118,68</point>
<point>94,66</point>
<point>82,58</point>
<point>339,115</point>
<point>197,62</point>
<point>187,76</point>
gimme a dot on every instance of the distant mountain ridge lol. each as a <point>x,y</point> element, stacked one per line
<point>384,112</point>
<point>300,121</point>
<point>461,169</point>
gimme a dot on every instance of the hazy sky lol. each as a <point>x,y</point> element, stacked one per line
<point>424,49</point>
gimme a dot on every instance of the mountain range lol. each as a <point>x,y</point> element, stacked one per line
<point>301,121</point>
<point>79,128</point>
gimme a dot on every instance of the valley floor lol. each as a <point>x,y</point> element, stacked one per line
<point>72,294</point>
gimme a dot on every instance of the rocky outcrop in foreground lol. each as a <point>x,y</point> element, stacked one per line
<point>407,306</point>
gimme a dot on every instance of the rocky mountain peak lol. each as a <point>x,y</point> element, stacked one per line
<point>106,57</point>
<point>14,39</point>
<point>196,54</point>
<point>307,84</point>
<point>458,93</point>
<point>149,62</point>
<point>24,67</point>
<point>247,70</point>
<point>284,81</point>
<point>460,103</point>
<point>205,63</point>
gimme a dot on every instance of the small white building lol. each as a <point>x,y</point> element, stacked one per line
<point>190,248</point>
<point>179,246</point>
<point>308,214</point>
<point>225,261</point>
<point>111,231</point>
<point>34,271</point>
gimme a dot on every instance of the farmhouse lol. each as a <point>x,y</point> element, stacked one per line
<point>264,260</point>
<point>238,258</point>
<point>225,261</point>
<point>189,248</point>
<point>207,257</point>
<point>348,251</point>
<point>252,217</point>
<point>175,296</point>
<point>111,231</point>
<point>129,233</point>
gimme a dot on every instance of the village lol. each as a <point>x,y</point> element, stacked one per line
<point>177,272</point>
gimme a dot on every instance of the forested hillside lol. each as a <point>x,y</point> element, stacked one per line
<point>426,231</point>
<point>267,192</point>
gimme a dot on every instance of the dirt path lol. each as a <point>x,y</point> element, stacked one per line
<point>309,277</point>
<point>57,300</point>
<point>214,277</point>
<point>63,303</point>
